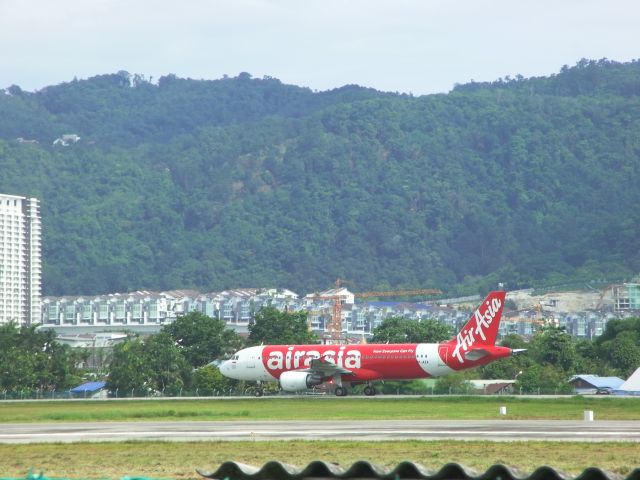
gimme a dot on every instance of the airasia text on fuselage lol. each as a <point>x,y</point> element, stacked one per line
<point>277,360</point>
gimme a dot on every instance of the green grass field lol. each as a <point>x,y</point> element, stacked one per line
<point>179,460</point>
<point>310,408</point>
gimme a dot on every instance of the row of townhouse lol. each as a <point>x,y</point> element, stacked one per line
<point>363,318</point>
<point>588,324</point>
<point>147,312</point>
<point>367,316</point>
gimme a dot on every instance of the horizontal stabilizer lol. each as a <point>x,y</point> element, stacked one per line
<point>476,354</point>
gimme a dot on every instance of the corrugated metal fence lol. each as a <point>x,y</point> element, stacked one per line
<point>367,471</point>
<point>405,470</point>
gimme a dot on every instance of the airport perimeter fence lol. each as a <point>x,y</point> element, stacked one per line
<point>246,392</point>
<point>104,394</point>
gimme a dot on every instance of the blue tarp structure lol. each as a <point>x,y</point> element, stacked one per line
<point>89,387</point>
<point>588,384</point>
<point>599,382</point>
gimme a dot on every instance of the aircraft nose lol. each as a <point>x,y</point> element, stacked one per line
<point>224,367</point>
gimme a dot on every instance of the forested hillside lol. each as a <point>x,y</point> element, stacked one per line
<point>240,182</point>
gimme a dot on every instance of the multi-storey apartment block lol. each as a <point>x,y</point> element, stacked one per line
<point>626,297</point>
<point>20,260</point>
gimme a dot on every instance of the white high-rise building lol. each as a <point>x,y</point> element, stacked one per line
<point>20,260</point>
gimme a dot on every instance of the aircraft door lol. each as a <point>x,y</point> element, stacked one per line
<point>442,355</point>
<point>251,361</point>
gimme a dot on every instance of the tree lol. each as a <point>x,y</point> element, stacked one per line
<point>619,345</point>
<point>273,327</point>
<point>554,346</point>
<point>31,359</point>
<point>404,387</point>
<point>210,379</point>
<point>152,365</point>
<point>510,367</point>
<point>457,383</point>
<point>590,360</point>
<point>57,366</point>
<point>235,152</point>
<point>170,371</point>
<point>543,379</point>
<point>129,370</point>
<point>405,330</point>
<point>202,339</point>
<point>616,326</point>
<point>625,353</point>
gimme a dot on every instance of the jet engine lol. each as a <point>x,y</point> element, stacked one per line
<point>296,381</point>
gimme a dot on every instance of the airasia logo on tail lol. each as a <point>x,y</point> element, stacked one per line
<point>475,330</point>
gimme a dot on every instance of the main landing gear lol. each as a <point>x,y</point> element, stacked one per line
<point>369,391</point>
<point>340,392</point>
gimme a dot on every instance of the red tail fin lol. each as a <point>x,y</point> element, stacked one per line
<point>482,327</point>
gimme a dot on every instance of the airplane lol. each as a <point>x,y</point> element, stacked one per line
<point>302,367</point>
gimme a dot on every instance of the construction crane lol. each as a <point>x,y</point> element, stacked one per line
<point>399,293</point>
<point>334,328</point>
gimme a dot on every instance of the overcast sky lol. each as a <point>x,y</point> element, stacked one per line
<point>417,46</point>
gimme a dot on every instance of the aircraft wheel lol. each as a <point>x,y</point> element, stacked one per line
<point>341,392</point>
<point>369,391</point>
<point>258,392</point>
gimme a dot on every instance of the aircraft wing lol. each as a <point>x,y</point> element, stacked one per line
<point>326,368</point>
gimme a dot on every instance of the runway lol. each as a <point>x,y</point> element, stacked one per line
<point>365,430</point>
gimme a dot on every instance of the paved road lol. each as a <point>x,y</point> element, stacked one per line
<point>496,430</point>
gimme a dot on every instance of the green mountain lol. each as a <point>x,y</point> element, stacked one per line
<point>249,182</point>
